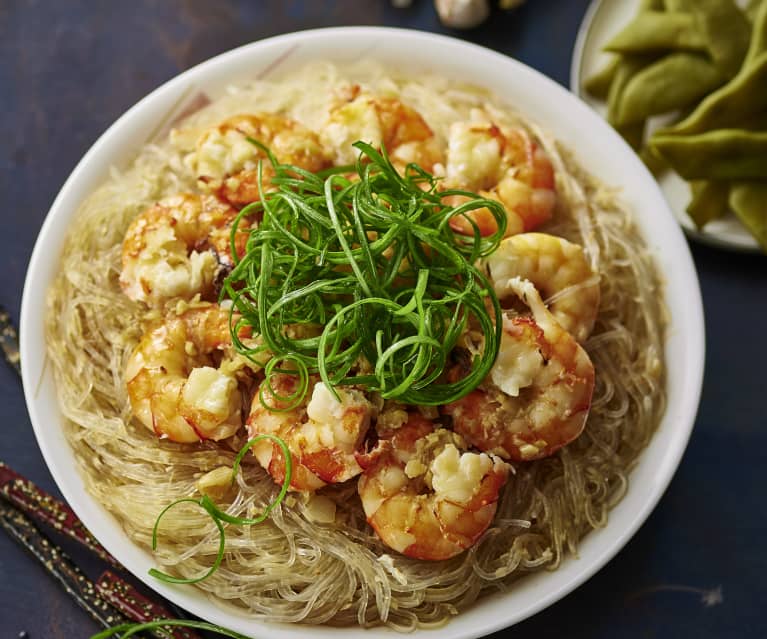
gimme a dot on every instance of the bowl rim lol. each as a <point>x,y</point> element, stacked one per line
<point>547,587</point>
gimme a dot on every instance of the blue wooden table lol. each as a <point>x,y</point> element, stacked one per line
<point>68,68</point>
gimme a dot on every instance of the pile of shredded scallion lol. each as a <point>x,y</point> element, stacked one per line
<point>354,274</point>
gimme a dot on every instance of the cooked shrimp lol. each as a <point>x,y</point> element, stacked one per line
<point>537,396</point>
<point>423,496</point>
<point>322,435</point>
<point>174,387</point>
<point>504,165</point>
<point>217,217</point>
<point>559,270</point>
<point>380,121</point>
<point>227,163</point>
<point>165,251</point>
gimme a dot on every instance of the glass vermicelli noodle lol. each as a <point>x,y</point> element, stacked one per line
<point>316,560</point>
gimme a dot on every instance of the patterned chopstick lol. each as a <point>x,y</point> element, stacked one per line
<point>133,604</point>
<point>35,502</point>
<point>111,600</point>
<point>24,498</point>
<point>59,566</point>
<point>9,341</point>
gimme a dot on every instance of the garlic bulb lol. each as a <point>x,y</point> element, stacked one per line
<point>462,14</point>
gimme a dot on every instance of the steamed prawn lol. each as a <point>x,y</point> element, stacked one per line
<point>380,121</point>
<point>174,385</point>
<point>423,495</point>
<point>558,269</point>
<point>323,434</point>
<point>538,393</point>
<point>175,249</point>
<point>503,164</point>
<point>226,161</point>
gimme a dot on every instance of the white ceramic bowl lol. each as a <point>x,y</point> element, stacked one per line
<point>596,146</point>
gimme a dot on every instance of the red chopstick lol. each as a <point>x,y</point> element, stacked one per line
<point>45,508</point>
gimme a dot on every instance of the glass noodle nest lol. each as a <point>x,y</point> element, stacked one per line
<point>291,568</point>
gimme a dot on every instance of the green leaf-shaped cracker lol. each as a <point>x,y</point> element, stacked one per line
<point>659,31</point>
<point>722,154</point>
<point>748,200</point>
<point>709,201</point>
<point>673,82</point>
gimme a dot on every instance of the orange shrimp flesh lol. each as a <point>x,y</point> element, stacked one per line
<point>383,122</point>
<point>166,253</point>
<point>538,394</point>
<point>505,165</point>
<point>431,506</point>
<point>174,387</point>
<point>226,161</point>
<point>322,433</point>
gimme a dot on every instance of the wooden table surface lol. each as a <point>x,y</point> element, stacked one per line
<point>69,68</point>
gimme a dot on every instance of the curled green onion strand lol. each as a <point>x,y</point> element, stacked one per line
<point>362,281</point>
<point>218,516</point>
<point>130,629</point>
<point>203,503</point>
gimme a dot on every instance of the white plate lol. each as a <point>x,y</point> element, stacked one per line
<point>596,146</point>
<point>603,19</point>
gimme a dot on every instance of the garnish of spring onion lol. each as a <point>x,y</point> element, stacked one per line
<point>218,516</point>
<point>130,629</point>
<point>355,275</point>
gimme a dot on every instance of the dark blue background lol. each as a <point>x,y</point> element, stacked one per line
<point>69,68</point>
